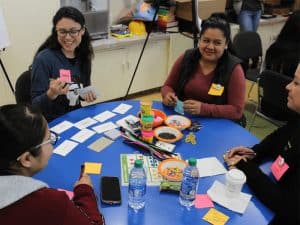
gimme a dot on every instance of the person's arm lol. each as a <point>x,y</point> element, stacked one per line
<point>235,98</point>
<point>86,203</point>
<point>281,200</point>
<point>40,84</point>
<point>273,144</point>
<point>168,89</point>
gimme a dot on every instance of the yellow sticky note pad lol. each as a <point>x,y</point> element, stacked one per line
<point>215,217</point>
<point>92,168</point>
<point>216,89</point>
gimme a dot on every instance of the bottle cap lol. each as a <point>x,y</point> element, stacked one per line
<point>138,163</point>
<point>192,162</point>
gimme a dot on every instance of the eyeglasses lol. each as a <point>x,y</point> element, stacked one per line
<point>72,32</point>
<point>53,139</point>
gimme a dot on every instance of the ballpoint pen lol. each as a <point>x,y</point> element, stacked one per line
<point>246,153</point>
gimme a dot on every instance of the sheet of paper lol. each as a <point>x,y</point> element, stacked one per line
<point>210,166</point>
<point>83,135</point>
<point>61,127</point>
<point>82,124</point>
<point>65,147</point>
<point>179,107</point>
<point>65,75</point>
<point>100,144</point>
<point>150,165</point>
<point>70,194</point>
<point>215,217</point>
<point>92,168</point>
<point>122,122</point>
<point>166,146</point>
<point>217,193</point>
<point>73,98</point>
<point>84,91</point>
<point>122,108</point>
<point>104,127</point>
<point>203,201</point>
<point>104,116</point>
<point>112,134</point>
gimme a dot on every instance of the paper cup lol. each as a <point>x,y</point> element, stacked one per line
<point>235,180</point>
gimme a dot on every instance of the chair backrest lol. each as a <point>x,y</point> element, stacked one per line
<point>248,47</point>
<point>273,95</point>
<point>23,88</point>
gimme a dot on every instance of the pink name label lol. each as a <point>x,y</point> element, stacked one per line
<point>279,167</point>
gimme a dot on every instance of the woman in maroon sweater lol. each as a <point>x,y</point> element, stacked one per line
<point>208,79</point>
<point>26,146</point>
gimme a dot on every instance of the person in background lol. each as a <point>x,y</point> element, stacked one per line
<point>249,15</point>
<point>26,147</point>
<point>209,79</point>
<point>62,65</point>
<point>284,54</point>
<point>281,194</point>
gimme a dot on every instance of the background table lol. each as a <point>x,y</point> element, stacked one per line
<point>215,137</point>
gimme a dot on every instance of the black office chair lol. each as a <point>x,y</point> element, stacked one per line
<point>272,98</point>
<point>23,88</point>
<point>248,47</point>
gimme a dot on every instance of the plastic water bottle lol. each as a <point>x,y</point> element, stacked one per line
<point>189,184</point>
<point>137,186</point>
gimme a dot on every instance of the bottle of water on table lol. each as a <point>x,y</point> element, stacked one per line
<point>137,186</point>
<point>189,184</point>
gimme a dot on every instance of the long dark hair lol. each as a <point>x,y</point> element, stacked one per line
<point>84,52</point>
<point>283,55</point>
<point>219,21</point>
<point>21,127</point>
<point>291,29</point>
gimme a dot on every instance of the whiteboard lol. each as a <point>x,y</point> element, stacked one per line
<point>4,40</point>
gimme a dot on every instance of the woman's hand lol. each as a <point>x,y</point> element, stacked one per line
<point>90,97</point>
<point>84,179</point>
<point>170,99</point>
<point>234,155</point>
<point>192,107</point>
<point>56,88</point>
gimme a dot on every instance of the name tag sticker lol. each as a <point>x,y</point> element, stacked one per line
<point>65,75</point>
<point>216,89</point>
<point>279,167</point>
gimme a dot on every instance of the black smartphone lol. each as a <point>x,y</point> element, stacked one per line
<point>110,190</point>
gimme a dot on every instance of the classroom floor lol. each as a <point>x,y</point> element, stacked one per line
<point>261,127</point>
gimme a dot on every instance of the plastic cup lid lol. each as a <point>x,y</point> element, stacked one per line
<point>236,175</point>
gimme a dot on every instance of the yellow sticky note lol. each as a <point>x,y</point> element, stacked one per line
<point>92,168</point>
<point>215,217</point>
<point>216,89</point>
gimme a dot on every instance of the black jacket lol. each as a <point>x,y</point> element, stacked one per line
<point>282,196</point>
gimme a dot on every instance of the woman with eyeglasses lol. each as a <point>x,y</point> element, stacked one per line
<point>209,79</point>
<point>279,190</point>
<point>26,146</point>
<point>62,65</point>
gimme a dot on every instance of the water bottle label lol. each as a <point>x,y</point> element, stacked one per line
<point>139,192</point>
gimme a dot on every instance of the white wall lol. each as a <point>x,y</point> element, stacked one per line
<point>28,24</point>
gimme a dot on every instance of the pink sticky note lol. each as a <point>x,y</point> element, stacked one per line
<point>279,167</point>
<point>65,75</point>
<point>70,194</point>
<point>203,201</point>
